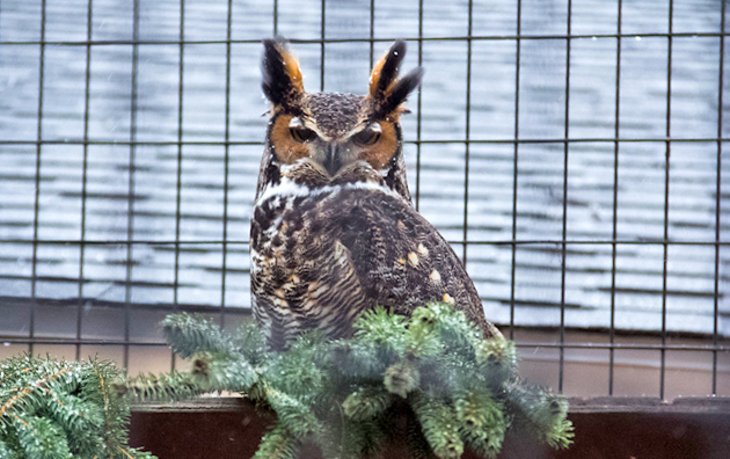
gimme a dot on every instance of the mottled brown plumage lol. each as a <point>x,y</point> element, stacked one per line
<point>333,232</point>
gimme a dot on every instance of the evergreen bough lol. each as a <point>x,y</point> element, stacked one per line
<point>454,388</point>
<point>53,409</point>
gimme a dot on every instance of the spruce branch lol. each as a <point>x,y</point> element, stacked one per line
<point>483,422</point>
<point>277,444</point>
<point>166,387</point>
<point>56,409</point>
<point>439,426</point>
<point>6,452</point>
<point>223,373</point>
<point>543,413</point>
<point>454,388</point>
<point>296,417</point>
<point>40,438</point>
<point>401,378</point>
<point>249,340</point>
<point>366,403</point>
<point>188,334</point>
<point>382,329</point>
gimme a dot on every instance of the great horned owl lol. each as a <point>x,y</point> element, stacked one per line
<point>333,231</point>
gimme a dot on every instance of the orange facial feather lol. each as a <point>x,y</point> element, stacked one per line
<point>287,149</point>
<point>382,151</point>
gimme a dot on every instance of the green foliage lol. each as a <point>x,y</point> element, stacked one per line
<point>439,426</point>
<point>56,410</point>
<point>544,414</point>
<point>277,444</point>
<point>187,336</point>
<point>169,386</point>
<point>482,421</point>
<point>365,403</point>
<point>451,388</point>
<point>401,378</point>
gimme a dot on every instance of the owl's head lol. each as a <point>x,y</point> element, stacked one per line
<point>332,132</point>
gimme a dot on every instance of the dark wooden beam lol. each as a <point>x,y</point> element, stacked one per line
<point>625,428</point>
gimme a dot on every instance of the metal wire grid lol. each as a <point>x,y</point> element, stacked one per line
<point>616,140</point>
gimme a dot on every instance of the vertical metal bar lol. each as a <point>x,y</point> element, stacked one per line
<point>665,245</point>
<point>178,196</point>
<point>614,229</point>
<point>467,142</point>
<point>321,45</point>
<point>372,33</point>
<point>718,203</point>
<point>566,149</point>
<point>276,17</point>
<point>36,201</point>
<point>418,107</point>
<point>131,183</point>
<point>515,170</point>
<point>84,176</point>
<point>226,173</point>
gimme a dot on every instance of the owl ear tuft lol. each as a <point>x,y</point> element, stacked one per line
<point>282,77</point>
<point>387,91</point>
<point>386,69</point>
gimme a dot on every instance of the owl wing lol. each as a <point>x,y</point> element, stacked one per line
<point>334,256</point>
<point>401,260</point>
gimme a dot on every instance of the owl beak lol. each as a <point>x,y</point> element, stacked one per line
<point>332,160</point>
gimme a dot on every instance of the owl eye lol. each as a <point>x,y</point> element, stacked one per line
<point>299,132</point>
<point>369,135</point>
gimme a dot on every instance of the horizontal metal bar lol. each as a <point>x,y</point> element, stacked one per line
<point>414,142</point>
<point>9,340</point>
<point>123,241</point>
<point>627,346</point>
<point>709,243</point>
<point>128,142</point>
<point>370,40</point>
<point>73,302</point>
<point>577,140</point>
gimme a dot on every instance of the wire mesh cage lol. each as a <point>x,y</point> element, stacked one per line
<point>575,153</point>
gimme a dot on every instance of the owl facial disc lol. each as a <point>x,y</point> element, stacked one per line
<point>335,131</point>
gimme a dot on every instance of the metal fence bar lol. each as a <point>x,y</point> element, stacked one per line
<point>709,243</point>
<point>372,33</point>
<point>276,17</point>
<point>718,194</point>
<point>178,188</point>
<point>131,185</point>
<point>515,169</point>
<point>226,165</point>
<point>556,245</point>
<point>566,151</point>
<point>36,200</point>
<point>415,142</point>
<point>178,191</point>
<point>467,134</point>
<point>663,356</point>
<point>418,108</point>
<point>11,340</point>
<point>322,18</point>
<point>507,37</point>
<point>614,219</point>
<point>84,175</point>
<point>68,303</point>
